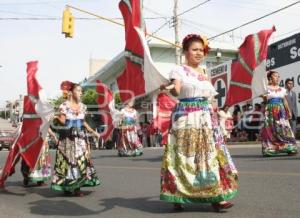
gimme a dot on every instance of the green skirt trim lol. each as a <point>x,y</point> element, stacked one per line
<point>39,179</point>
<point>291,149</point>
<point>136,153</point>
<point>76,185</point>
<point>92,182</point>
<point>184,200</point>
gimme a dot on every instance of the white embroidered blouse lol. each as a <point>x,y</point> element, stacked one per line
<point>279,92</point>
<point>193,84</point>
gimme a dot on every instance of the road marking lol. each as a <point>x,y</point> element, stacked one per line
<point>256,173</point>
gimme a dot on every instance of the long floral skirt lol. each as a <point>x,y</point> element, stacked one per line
<point>73,166</point>
<point>195,168</point>
<point>277,135</point>
<point>129,144</point>
<point>42,170</point>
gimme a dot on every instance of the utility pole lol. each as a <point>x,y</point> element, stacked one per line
<point>176,28</point>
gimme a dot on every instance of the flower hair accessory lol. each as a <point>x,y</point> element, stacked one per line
<point>197,37</point>
<point>66,85</point>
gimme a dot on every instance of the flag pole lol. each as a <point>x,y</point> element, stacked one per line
<point>121,24</point>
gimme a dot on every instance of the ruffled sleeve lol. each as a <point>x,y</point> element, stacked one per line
<point>84,108</point>
<point>176,73</point>
<point>284,92</point>
<point>63,108</point>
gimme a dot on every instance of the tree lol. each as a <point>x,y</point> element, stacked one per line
<point>117,99</point>
<point>57,101</point>
<point>89,98</point>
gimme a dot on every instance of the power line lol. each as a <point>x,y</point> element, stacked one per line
<point>192,8</point>
<point>155,12</point>
<point>23,13</point>
<point>289,32</point>
<point>252,21</point>
<point>173,18</point>
<point>57,18</point>
<point>32,3</point>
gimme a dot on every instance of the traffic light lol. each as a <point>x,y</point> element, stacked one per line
<point>68,23</point>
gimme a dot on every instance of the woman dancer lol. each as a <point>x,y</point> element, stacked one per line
<point>129,144</point>
<point>277,135</point>
<point>195,167</point>
<point>73,166</point>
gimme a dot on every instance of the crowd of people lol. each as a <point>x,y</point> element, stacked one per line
<point>245,122</point>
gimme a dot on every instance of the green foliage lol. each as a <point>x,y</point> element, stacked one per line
<point>57,101</point>
<point>117,98</point>
<point>89,98</point>
<point>2,114</point>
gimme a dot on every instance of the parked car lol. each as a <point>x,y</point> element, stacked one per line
<point>7,137</point>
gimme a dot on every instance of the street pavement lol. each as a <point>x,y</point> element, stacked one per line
<point>6,125</point>
<point>269,187</point>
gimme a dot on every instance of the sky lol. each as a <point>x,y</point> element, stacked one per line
<point>68,59</point>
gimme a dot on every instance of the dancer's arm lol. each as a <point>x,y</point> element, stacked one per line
<point>287,108</point>
<point>52,134</point>
<point>174,86</point>
<point>61,118</point>
<point>86,125</point>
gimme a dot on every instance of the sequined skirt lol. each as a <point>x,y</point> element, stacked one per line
<point>194,167</point>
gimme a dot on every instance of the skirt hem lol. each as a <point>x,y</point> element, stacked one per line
<point>184,200</point>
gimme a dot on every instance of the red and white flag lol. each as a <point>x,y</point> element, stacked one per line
<point>248,73</point>
<point>140,75</point>
<point>37,114</point>
<point>107,108</point>
<point>44,111</point>
<point>11,160</point>
<point>162,120</point>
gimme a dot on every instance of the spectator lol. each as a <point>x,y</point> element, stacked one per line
<point>236,116</point>
<point>226,122</point>
<point>292,102</point>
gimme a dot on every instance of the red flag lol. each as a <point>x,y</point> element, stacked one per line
<point>248,73</point>
<point>162,121</point>
<point>36,121</point>
<point>30,142</point>
<point>11,160</point>
<point>33,87</point>
<point>140,75</point>
<point>104,100</point>
<point>134,52</point>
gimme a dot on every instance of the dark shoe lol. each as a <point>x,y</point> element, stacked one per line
<point>78,193</point>
<point>67,193</point>
<point>218,206</point>
<point>25,182</point>
<point>178,207</point>
<point>292,153</point>
<point>41,183</point>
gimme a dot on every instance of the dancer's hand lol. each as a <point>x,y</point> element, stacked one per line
<point>55,140</point>
<point>163,86</point>
<point>98,135</point>
<point>289,115</point>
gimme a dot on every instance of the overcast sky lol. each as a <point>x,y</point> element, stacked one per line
<point>68,59</point>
